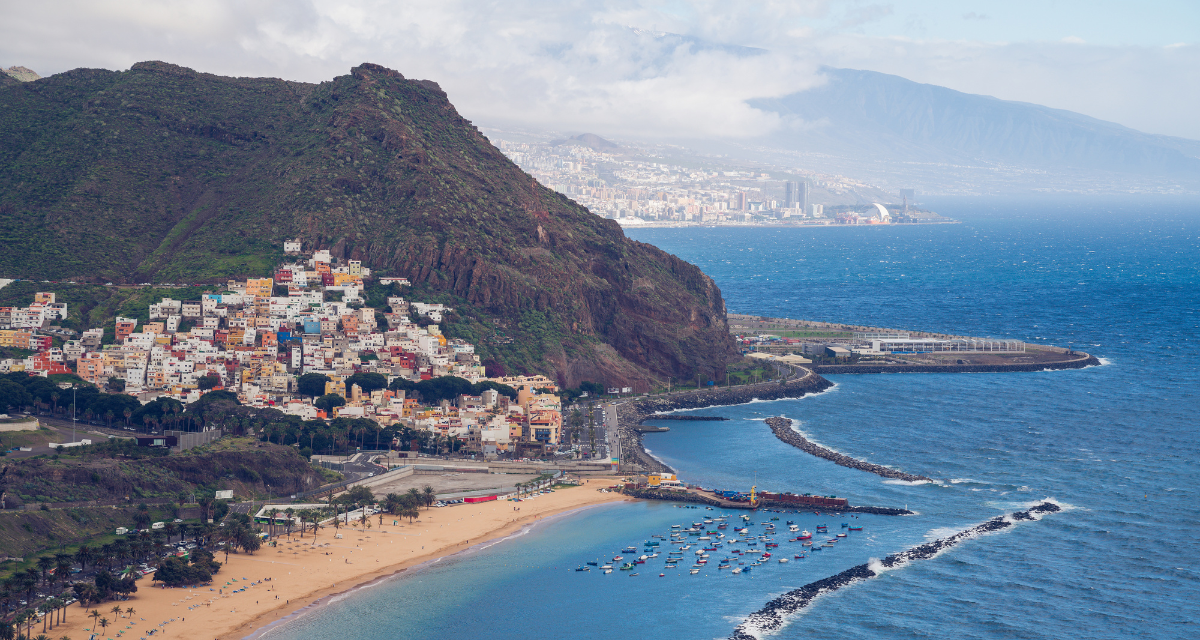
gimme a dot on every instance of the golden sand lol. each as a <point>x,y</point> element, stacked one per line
<point>300,571</point>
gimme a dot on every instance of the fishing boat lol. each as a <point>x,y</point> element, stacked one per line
<point>804,535</point>
<point>856,528</point>
<point>629,550</point>
<point>593,564</point>
<point>793,527</point>
<point>822,527</point>
<point>736,570</point>
<point>723,566</point>
<point>608,570</point>
<point>693,571</point>
<point>841,535</point>
<point>607,567</point>
<point>783,560</point>
<point>632,575</point>
<point>798,556</point>
<point>618,558</point>
<point>583,569</point>
<point>661,575</point>
<point>826,545</point>
<point>643,558</point>
<point>704,538</point>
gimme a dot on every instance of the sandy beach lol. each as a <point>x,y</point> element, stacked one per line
<point>252,591</point>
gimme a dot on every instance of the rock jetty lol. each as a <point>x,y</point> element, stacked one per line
<point>771,616</point>
<point>676,416</point>
<point>783,430</point>
<point>630,415</point>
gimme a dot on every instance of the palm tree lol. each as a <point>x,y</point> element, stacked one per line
<point>302,515</point>
<point>414,496</point>
<point>129,612</point>
<point>170,529</point>
<point>116,611</point>
<point>54,398</point>
<point>128,413</point>
<point>94,615</point>
<point>103,623</point>
<point>110,415</point>
<point>430,496</point>
<point>84,555</point>
<point>62,568</point>
<point>289,512</point>
<point>45,564</point>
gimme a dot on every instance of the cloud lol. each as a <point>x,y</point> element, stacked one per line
<point>971,15</point>
<point>611,67</point>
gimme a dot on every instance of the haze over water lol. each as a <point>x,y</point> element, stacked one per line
<point>1115,445</point>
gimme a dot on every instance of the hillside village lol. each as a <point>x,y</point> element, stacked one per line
<point>302,342</point>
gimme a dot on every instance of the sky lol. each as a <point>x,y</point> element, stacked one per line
<point>608,68</point>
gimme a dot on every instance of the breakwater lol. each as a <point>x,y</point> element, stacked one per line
<point>630,415</point>
<point>1083,360</point>
<point>771,616</point>
<point>782,427</point>
<point>676,416</point>
<point>695,498</point>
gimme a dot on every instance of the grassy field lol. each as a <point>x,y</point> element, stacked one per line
<point>25,438</point>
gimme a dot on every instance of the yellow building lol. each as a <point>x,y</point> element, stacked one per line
<point>259,287</point>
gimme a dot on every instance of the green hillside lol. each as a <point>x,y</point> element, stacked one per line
<point>165,175</point>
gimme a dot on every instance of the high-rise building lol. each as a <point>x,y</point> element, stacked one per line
<point>796,195</point>
<point>739,201</point>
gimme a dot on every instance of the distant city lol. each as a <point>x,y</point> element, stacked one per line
<point>653,187</point>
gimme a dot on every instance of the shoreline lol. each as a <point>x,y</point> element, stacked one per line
<point>252,594</point>
<point>630,415</point>
<point>258,626</point>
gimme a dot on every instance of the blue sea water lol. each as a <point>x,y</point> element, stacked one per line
<point>1115,445</point>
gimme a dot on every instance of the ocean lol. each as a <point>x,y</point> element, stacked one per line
<point>1116,446</point>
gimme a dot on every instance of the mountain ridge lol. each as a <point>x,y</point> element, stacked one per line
<point>162,173</point>
<point>867,112</point>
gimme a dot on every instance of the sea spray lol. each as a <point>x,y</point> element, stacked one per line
<point>771,617</point>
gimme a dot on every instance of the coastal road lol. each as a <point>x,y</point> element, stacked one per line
<point>610,431</point>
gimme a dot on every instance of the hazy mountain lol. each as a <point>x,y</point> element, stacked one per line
<point>590,140</point>
<point>885,117</point>
<point>161,173</point>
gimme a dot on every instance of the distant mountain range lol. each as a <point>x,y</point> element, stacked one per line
<point>883,117</point>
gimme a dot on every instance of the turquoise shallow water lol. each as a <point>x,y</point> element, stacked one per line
<point>1116,445</point>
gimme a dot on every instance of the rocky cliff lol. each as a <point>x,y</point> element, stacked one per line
<point>165,174</point>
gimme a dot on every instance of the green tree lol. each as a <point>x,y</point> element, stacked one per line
<point>208,382</point>
<point>368,382</point>
<point>312,384</point>
<point>328,401</point>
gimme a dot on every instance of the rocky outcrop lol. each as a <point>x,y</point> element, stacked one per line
<point>771,616</point>
<point>782,427</point>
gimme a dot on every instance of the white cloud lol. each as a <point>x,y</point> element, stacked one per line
<point>576,65</point>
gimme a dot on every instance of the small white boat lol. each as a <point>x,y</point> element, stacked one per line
<point>841,535</point>
<point>704,538</point>
<point>736,570</point>
<point>607,567</point>
<point>694,571</point>
<point>609,570</point>
<point>782,560</point>
<point>643,557</point>
<point>793,528</point>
